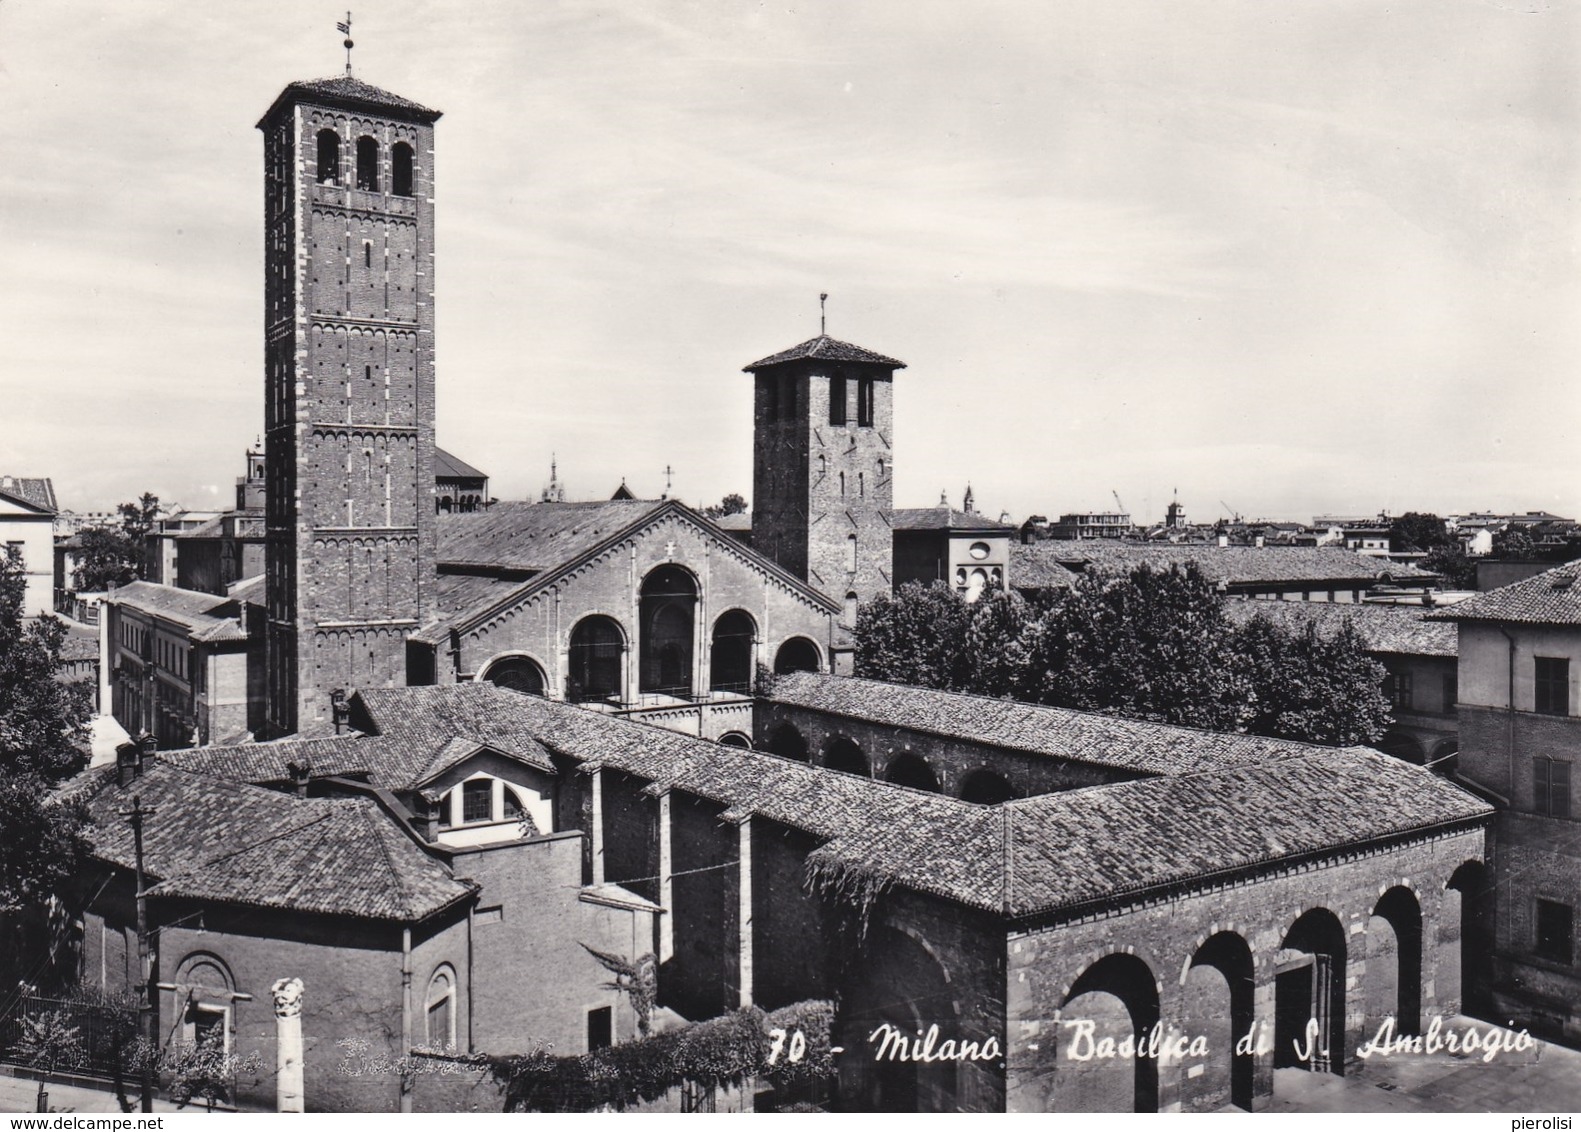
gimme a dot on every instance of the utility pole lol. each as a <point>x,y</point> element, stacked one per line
<point>145,954</point>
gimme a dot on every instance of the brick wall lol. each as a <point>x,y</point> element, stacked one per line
<point>1162,938</point>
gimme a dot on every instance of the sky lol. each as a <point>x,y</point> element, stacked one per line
<point>1281,258</point>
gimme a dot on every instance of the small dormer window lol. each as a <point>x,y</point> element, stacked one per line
<point>477,800</point>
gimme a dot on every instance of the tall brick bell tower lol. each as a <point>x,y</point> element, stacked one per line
<point>349,377</point>
<point>823,464</point>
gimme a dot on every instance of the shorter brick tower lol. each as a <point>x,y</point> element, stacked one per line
<point>823,466</point>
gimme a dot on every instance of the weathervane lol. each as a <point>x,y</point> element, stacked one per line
<point>822,324</point>
<point>345,30</point>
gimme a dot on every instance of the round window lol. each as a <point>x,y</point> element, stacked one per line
<point>978,550</point>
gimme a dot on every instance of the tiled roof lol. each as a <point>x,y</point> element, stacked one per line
<point>216,839</point>
<point>1035,566</point>
<point>1031,856</point>
<point>344,90</point>
<point>198,612</point>
<point>1130,745</point>
<point>824,348</point>
<point>946,519</point>
<point>533,536</point>
<point>1383,627</point>
<point>32,491</point>
<point>447,466</point>
<point>80,643</point>
<point>1239,565</point>
<point>1550,598</point>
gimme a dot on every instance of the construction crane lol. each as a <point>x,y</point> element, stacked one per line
<point>1234,515</point>
<point>1117,501</point>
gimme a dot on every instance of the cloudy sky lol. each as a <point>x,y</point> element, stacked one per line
<point>1286,256</point>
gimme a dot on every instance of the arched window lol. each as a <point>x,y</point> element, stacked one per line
<point>837,399</point>
<point>906,769</point>
<point>203,989</point>
<point>788,743</point>
<point>844,754</point>
<point>328,157</point>
<point>985,788</point>
<point>668,610</point>
<point>736,739</point>
<point>850,608</point>
<point>730,658</point>
<point>401,169</point>
<point>368,164</point>
<point>796,655</point>
<point>439,1014</point>
<point>517,673</point>
<point>850,550</point>
<point>597,649</point>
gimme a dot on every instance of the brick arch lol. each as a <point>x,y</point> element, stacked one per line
<point>1103,1084</point>
<point>1222,1008</point>
<point>1395,959</point>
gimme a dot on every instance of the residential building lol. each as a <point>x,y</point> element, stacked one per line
<point>27,524</point>
<point>1081,525</point>
<point>968,552</point>
<point>1520,744</point>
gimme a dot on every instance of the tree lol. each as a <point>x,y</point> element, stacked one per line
<point>1453,565</point>
<point>117,555</point>
<point>201,1071</point>
<point>1320,690</point>
<point>918,636</point>
<point>48,1042</point>
<point>1513,542</point>
<point>43,726</point>
<point>1418,530</point>
<point>732,504</point>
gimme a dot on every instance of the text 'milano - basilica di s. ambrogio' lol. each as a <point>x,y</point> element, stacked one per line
<point>492,740</point>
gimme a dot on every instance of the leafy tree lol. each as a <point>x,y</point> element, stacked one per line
<point>1004,638</point>
<point>1513,542</point>
<point>117,555</point>
<point>42,723</point>
<point>1321,690</point>
<point>1418,530</point>
<point>918,636</point>
<point>732,504</point>
<point>201,1071</point>
<point>1451,563</point>
<point>48,1042</point>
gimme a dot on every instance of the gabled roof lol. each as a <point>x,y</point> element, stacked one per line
<point>1129,745</point>
<point>824,348</point>
<point>537,543</point>
<point>216,839</point>
<point>1238,565</point>
<point>206,617</point>
<point>352,94</point>
<point>1383,628</point>
<point>1550,598</point>
<point>450,467</point>
<point>947,519</point>
<point>1241,808</point>
<point>30,492</point>
<point>1036,566</point>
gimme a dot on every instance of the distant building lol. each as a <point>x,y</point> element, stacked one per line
<point>185,667</point>
<point>1520,745</point>
<point>968,552</point>
<point>27,524</point>
<point>458,486</point>
<point>1091,525</point>
<point>1289,573</point>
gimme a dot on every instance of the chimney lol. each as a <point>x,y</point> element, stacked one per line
<point>339,708</point>
<point>428,815</point>
<point>1224,540</point>
<point>301,774</point>
<point>128,763</point>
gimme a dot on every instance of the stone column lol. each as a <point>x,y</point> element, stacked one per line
<point>287,995</point>
<point>744,915</point>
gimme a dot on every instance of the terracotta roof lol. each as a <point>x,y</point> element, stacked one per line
<point>946,519</point>
<point>199,613</point>
<point>1389,628</point>
<point>33,492</point>
<point>81,642</point>
<point>1239,565</point>
<point>220,840</point>
<point>1021,858</point>
<point>533,536</point>
<point>1550,598</point>
<point>1035,566</point>
<point>824,348</point>
<point>1130,745</point>
<point>447,466</point>
<point>344,90</point>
